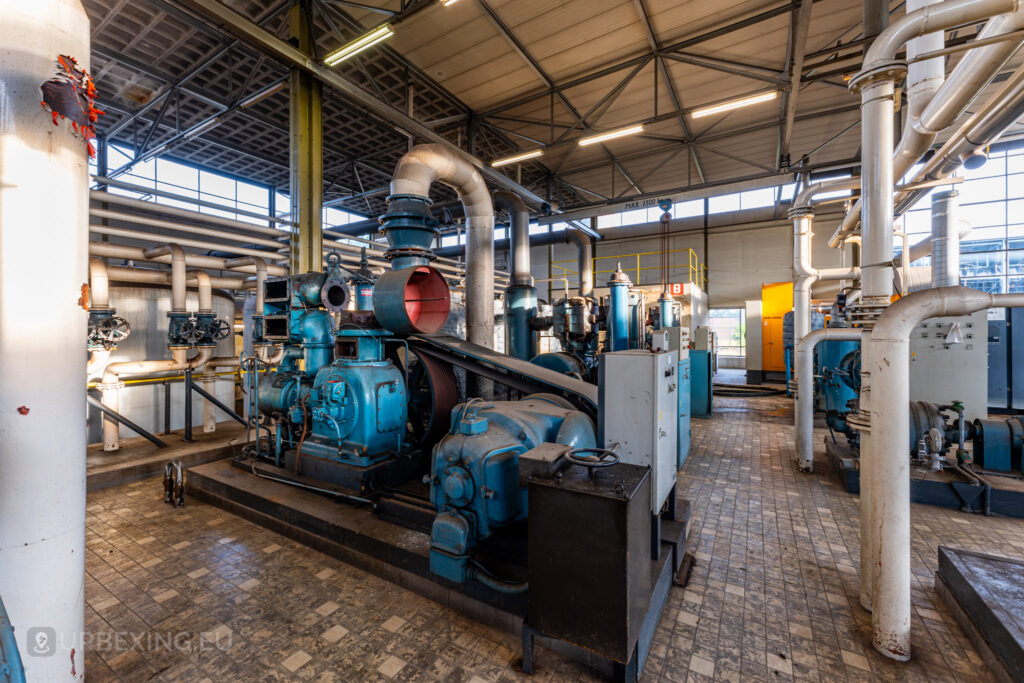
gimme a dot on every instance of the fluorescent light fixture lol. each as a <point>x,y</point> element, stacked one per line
<point>358,45</point>
<point>735,104</point>
<point>518,157</point>
<point>611,135</point>
<point>445,3</point>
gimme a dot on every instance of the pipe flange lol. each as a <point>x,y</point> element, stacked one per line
<point>405,252</point>
<point>797,211</point>
<point>884,71</point>
<point>104,386</point>
<point>859,421</point>
<point>179,347</point>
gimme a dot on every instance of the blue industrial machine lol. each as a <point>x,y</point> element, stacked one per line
<point>837,382</point>
<point>474,481</point>
<point>999,445</point>
<point>372,406</point>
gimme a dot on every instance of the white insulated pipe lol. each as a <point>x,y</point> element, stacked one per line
<point>219,233</point>
<point>416,171</point>
<point>209,378</point>
<point>106,197</point>
<point>130,253</point>
<point>163,277</point>
<point>945,239</point>
<point>968,79</point>
<point>43,263</point>
<point>261,275</point>
<point>178,284</point>
<point>110,387</point>
<point>805,391</point>
<point>519,237</point>
<point>99,284</point>
<point>889,521</point>
<point>205,290</point>
<point>197,244</point>
<point>802,214</point>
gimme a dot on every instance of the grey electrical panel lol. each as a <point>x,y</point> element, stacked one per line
<point>949,362</point>
<point>639,411</point>
<point>998,359</point>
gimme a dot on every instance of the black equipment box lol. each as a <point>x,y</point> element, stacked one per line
<point>590,557</point>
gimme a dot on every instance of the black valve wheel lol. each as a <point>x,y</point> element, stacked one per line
<point>592,457</point>
<point>190,332</point>
<point>219,329</point>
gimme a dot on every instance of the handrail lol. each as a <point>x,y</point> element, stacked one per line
<point>697,271</point>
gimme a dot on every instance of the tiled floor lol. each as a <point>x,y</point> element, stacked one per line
<point>198,594</point>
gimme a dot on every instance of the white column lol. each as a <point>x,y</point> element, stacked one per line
<point>43,261</point>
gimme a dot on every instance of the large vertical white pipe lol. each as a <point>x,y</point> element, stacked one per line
<point>868,566</point>
<point>43,232</point>
<point>890,434</point>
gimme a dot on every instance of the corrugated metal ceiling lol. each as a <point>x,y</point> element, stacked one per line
<point>507,75</point>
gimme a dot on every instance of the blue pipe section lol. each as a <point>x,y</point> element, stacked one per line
<point>11,669</point>
<point>618,311</point>
<point>666,311</point>
<point>522,308</point>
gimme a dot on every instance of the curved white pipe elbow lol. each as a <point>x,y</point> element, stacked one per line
<point>804,415</point>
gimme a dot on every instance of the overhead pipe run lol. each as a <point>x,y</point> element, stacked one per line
<point>889,521</point>
<point>974,72</point>
<point>131,253</point>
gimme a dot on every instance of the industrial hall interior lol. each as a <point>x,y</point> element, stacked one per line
<point>511,340</point>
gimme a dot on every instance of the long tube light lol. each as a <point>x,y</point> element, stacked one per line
<point>735,104</point>
<point>368,40</point>
<point>517,158</point>
<point>611,135</point>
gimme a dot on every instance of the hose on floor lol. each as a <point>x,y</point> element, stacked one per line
<point>745,390</point>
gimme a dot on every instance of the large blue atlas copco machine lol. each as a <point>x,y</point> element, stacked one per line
<point>547,504</point>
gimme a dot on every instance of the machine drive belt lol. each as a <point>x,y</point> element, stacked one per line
<point>515,373</point>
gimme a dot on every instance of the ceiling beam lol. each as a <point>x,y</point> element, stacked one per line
<point>796,69</point>
<point>252,34</point>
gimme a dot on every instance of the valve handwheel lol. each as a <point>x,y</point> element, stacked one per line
<point>113,329</point>
<point>190,332</point>
<point>219,329</point>
<point>592,457</point>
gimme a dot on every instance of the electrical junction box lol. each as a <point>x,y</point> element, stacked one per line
<point>639,410</point>
<point>949,362</point>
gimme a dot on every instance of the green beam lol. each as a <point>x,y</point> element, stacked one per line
<point>306,150</point>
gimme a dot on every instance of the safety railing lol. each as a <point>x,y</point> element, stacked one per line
<point>633,265</point>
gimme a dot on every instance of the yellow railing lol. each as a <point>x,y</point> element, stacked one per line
<point>697,272</point>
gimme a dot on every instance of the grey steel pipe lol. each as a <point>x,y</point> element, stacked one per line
<point>889,518</point>
<point>416,171</point>
<point>805,388</point>
<point>945,239</point>
<point>584,261</point>
<point>519,239</point>
<point>177,272</point>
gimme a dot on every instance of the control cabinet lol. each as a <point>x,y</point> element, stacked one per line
<point>948,364</point>
<point>639,411</point>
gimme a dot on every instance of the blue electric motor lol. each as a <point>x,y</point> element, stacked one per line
<point>357,405</point>
<point>474,473</point>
